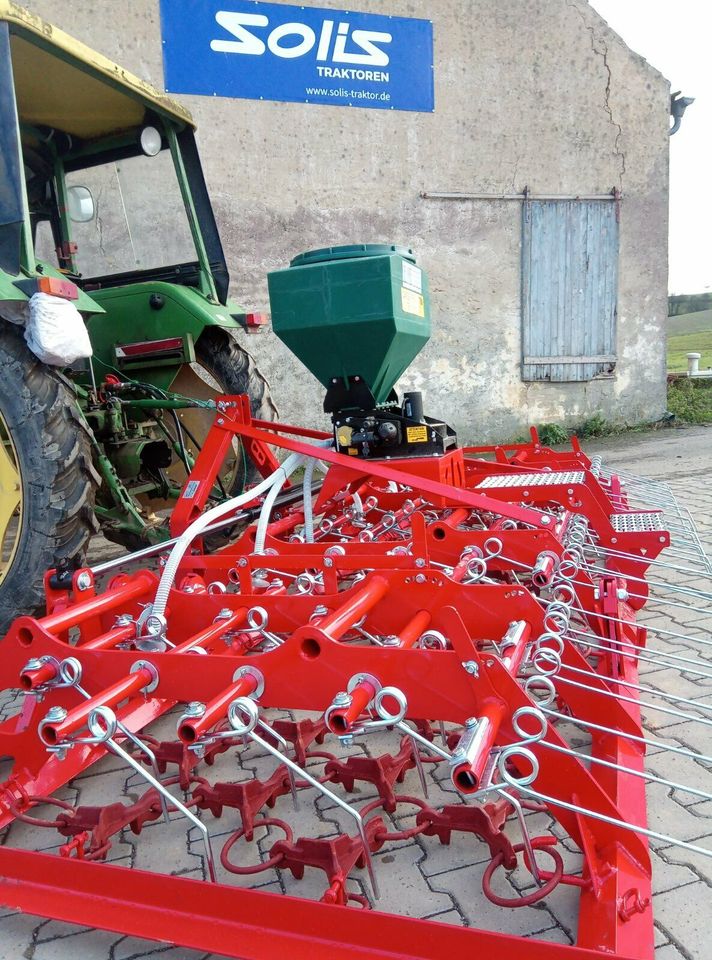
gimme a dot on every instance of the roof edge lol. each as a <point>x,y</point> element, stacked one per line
<point>588,4</point>
<point>33,26</point>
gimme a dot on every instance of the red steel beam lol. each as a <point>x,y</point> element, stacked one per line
<point>245,924</point>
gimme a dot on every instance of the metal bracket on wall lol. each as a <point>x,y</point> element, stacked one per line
<point>525,195</point>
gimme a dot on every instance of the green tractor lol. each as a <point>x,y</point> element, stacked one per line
<point>94,165</point>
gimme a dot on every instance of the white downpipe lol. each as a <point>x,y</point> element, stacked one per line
<point>266,511</point>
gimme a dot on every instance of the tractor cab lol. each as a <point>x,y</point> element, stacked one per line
<point>96,162</point>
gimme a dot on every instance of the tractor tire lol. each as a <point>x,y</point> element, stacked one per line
<point>49,481</point>
<point>222,366</point>
<point>234,370</point>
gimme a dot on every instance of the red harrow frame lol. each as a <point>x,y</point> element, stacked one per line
<point>476,611</point>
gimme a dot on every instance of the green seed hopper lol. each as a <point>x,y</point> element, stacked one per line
<point>357,316</point>
<point>353,311</point>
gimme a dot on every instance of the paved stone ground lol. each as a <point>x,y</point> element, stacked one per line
<point>421,878</point>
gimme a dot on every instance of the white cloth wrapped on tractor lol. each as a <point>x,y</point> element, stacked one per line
<point>55,331</point>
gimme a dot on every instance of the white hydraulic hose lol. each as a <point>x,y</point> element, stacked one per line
<point>306,495</point>
<point>308,505</point>
<point>196,528</point>
<point>286,470</point>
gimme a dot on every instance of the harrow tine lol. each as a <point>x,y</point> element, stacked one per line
<point>283,743</point>
<point>609,551</point>
<point>103,724</point>
<point>672,587</point>
<point>660,631</point>
<point>524,830</point>
<point>649,656</point>
<point>646,741</point>
<point>70,667</point>
<point>242,707</point>
<point>525,784</point>
<point>188,814</point>
<point>680,714</point>
<point>649,598</point>
<point>596,815</point>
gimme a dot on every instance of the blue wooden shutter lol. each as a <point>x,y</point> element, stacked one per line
<point>569,289</point>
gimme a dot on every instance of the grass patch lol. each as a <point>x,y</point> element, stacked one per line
<point>689,333</point>
<point>598,426</point>
<point>593,427</point>
<point>550,434</point>
<point>681,344</point>
<point>691,400</point>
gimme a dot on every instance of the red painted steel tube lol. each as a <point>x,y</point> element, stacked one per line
<point>216,709</point>
<point>31,679</point>
<point>213,632</point>
<point>457,517</point>
<point>77,613</point>
<point>133,683</point>
<point>341,720</point>
<point>460,570</point>
<point>337,623</point>
<point>284,524</point>
<point>413,630</point>
<point>111,638</point>
<point>479,741</point>
<point>401,474</point>
<point>249,924</point>
<point>76,718</point>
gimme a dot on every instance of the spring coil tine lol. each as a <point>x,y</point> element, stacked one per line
<point>623,824</point>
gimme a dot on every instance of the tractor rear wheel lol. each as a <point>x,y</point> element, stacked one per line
<point>47,481</point>
<point>223,366</point>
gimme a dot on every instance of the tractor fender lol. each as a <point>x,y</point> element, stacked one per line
<point>154,311</point>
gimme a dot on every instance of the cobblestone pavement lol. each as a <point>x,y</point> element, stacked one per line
<point>426,879</point>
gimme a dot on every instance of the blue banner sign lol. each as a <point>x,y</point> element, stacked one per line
<point>272,51</point>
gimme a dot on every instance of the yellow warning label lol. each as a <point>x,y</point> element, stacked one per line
<point>343,436</point>
<point>412,302</point>
<point>416,434</point>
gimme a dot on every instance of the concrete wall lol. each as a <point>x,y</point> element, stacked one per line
<point>529,92</point>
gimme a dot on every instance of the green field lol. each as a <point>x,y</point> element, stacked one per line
<point>688,333</point>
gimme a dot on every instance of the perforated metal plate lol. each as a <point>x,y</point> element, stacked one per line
<point>634,522</point>
<point>531,479</point>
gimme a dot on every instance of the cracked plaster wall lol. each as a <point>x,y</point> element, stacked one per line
<point>529,92</point>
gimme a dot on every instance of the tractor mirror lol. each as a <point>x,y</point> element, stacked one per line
<point>80,204</point>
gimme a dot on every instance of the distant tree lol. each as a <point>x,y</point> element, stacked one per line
<point>688,303</point>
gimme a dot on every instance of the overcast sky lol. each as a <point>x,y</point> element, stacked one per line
<point>675,38</point>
